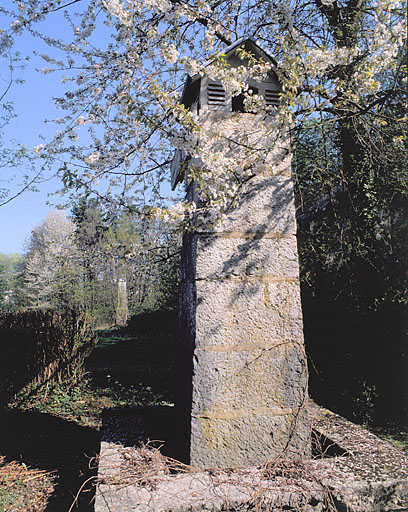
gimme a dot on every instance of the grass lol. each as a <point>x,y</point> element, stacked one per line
<point>123,371</point>
<point>21,488</point>
<point>58,430</point>
<point>394,434</point>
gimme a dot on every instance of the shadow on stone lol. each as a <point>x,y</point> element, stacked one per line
<point>134,426</point>
<point>155,425</point>
<point>323,447</point>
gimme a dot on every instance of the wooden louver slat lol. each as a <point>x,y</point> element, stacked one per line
<point>272,97</point>
<point>215,94</point>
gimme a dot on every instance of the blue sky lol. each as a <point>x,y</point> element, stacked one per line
<point>33,104</point>
<point>18,218</point>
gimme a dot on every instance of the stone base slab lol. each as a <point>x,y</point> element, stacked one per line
<point>355,472</point>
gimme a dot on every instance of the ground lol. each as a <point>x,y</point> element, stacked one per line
<point>57,435</point>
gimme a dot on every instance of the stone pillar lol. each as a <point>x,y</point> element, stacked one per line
<point>243,369</point>
<point>122,305</point>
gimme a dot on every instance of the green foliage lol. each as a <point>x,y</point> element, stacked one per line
<point>168,282</point>
<point>42,348</point>
<point>93,290</point>
<point>11,267</point>
<point>352,201</point>
<point>23,489</point>
<point>159,313</point>
<point>365,403</point>
<point>3,286</point>
<point>120,244</point>
<point>12,491</point>
<point>77,264</point>
<point>90,220</point>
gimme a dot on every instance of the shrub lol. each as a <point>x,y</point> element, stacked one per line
<point>43,348</point>
<point>153,322</point>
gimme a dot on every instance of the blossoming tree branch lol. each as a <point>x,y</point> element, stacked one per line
<point>338,61</point>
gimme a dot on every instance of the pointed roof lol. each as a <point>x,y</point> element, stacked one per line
<point>251,45</point>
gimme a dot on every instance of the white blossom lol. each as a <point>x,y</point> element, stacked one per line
<point>93,157</point>
<point>170,53</point>
<point>38,149</point>
<point>124,87</point>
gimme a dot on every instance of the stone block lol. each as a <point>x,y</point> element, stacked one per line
<point>267,205</point>
<point>242,441</point>
<point>235,383</point>
<point>233,254</point>
<point>247,312</point>
<point>242,327</point>
<point>370,476</point>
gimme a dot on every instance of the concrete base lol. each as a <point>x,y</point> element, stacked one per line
<point>352,471</point>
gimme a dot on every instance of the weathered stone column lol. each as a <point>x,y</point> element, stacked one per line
<point>243,374</point>
<point>122,304</point>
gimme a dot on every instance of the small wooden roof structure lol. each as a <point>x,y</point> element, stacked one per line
<point>201,92</point>
<point>192,84</point>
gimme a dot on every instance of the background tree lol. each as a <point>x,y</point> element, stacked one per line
<point>11,266</point>
<point>90,222</point>
<point>140,250</point>
<point>50,275</point>
<point>352,241</point>
<point>119,244</point>
<point>3,286</point>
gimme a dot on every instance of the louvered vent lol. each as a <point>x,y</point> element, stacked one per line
<point>272,97</point>
<point>215,94</point>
